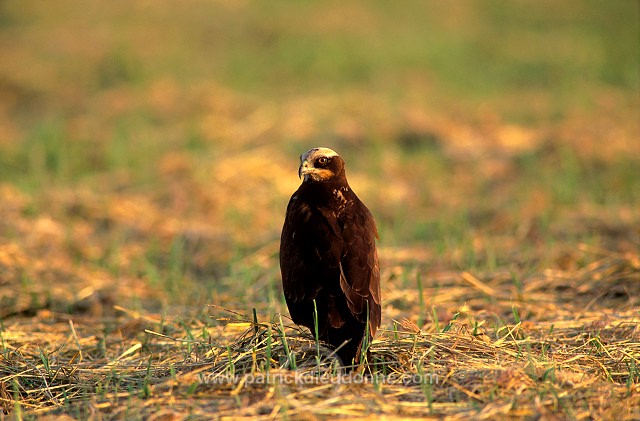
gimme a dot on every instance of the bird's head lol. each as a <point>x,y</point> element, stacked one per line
<point>321,165</point>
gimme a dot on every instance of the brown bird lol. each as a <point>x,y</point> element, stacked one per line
<point>328,254</point>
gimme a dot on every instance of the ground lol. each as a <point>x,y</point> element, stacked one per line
<point>147,154</point>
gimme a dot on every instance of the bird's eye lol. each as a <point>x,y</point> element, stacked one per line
<point>323,160</point>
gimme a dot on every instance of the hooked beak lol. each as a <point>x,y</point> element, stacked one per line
<point>304,168</point>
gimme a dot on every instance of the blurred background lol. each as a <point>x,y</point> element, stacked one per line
<point>148,149</point>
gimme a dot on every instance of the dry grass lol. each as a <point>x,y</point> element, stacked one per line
<point>527,310</point>
<point>564,345</point>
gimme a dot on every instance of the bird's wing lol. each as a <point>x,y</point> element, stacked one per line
<point>309,250</point>
<point>360,272</point>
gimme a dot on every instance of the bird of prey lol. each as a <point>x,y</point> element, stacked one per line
<point>328,254</point>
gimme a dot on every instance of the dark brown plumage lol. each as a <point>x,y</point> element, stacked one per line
<point>328,253</point>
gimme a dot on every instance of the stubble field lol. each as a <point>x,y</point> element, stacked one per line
<point>147,154</point>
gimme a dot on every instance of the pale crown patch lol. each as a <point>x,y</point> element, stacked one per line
<point>311,154</point>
